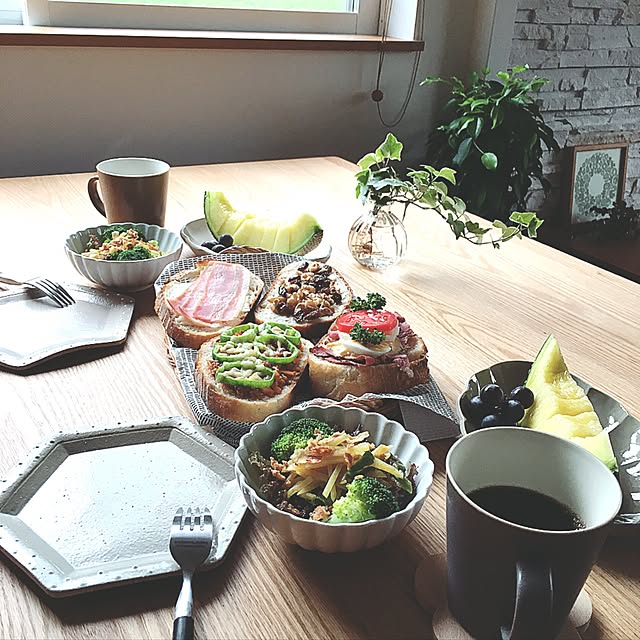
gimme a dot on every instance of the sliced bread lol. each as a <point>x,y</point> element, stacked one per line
<point>189,332</point>
<point>242,404</point>
<point>306,295</point>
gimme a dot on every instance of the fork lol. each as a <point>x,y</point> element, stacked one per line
<point>190,544</point>
<point>51,289</point>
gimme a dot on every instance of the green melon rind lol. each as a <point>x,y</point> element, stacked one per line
<point>550,361</point>
<point>217,210</point>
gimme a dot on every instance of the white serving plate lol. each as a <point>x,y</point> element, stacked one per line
<point>93,508</point>
<point>196,232</point>
<point>33,328</point>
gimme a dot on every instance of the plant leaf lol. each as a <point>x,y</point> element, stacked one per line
<point>431,80</point>
<point>489,161</point>
<point>367,161</point>
<point>447,174</point>
<point>463,151</point>
<point>391,148</point>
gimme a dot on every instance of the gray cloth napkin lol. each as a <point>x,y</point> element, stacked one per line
<point>425,410</point>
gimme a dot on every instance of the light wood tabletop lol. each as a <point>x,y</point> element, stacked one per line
<point>474,306</point>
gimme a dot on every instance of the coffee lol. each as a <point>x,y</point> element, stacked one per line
<point>527,508</point>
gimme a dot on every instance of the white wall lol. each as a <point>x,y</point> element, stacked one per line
<point>62,109</point>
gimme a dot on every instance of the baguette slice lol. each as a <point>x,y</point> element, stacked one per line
<point>312,328</point>
<point>185,332</point>
<point>335,381</point>
<point>224,403</point>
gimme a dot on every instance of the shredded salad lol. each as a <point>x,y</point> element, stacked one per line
<point>323,473</point>
<point>120,242</point>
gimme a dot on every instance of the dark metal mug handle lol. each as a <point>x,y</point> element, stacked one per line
<point>534,602</point>
<point>92,188</point>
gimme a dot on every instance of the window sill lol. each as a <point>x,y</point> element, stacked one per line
<point>22,36</point>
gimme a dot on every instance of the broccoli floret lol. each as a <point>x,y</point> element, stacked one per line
<point>350,509</point>
<point>296,435</point>
<point>366,499</point>
<point>137,253</point>
<point>107,234</point>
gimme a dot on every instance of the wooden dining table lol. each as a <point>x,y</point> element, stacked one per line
<point>474,306</point>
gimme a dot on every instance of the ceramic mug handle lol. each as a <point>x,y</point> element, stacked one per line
<point>534,602</point>
<point>92,188</point>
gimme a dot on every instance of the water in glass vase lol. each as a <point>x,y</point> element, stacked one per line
<point>377,239</point>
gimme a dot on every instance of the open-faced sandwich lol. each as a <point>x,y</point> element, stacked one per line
<point>367,350</point>
<point>306,295</point>
<point>250,371</point>
<point>197,304</point>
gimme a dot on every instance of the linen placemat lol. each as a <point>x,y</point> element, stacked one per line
<point>424,407</point>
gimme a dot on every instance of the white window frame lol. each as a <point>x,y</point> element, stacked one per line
<point>361,20</point>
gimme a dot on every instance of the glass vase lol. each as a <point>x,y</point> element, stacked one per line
<point>377,239</point>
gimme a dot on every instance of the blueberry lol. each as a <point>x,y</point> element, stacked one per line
<point>490,421</point>
<point>477,410</point>
<point>523,395</point>
<point>491,395</point>
<point>226,240</point>
<point>513,411</point>
<point>219,247</point>
<point>208,245</point>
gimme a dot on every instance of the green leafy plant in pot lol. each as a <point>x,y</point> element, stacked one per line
<point>493,133</point>
<point>378,238</point>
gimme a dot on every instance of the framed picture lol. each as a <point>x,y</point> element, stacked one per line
<point>598,177</point>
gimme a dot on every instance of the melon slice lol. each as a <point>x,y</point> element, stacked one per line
<point>217,211</point>
<point>281,241</point>
<point>282,233</point>
<point>561,406</point>
<point>301,230</point>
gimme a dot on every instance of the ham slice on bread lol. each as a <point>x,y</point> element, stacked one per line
<point>197,304</point>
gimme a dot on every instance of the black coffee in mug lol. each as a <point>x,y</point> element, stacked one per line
<point>516,576</point>
<point>527,508</point>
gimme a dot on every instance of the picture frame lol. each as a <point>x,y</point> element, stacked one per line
<point>598,177</point>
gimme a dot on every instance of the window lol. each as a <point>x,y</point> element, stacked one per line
<point>310,16</point>
<point>10,12</point>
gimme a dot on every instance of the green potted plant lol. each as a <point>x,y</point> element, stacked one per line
<point>492,133</point>
<point>378,239</point>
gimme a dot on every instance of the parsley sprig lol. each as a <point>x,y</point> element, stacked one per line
<point>373,301</point>
<point>366,336</point>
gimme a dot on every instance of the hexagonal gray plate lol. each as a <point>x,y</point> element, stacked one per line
<point>94,508</point>
<point>98,318</point>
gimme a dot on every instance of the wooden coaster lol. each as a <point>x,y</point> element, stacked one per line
<point>431,593</point>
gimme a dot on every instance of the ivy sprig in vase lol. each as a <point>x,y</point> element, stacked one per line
<point>378,238</point>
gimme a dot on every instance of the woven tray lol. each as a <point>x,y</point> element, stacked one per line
<point>267,265</point>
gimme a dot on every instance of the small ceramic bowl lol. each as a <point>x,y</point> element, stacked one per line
<point>322,536</point>
<point>128,275</point>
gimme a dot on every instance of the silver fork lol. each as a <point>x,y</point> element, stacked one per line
<point>51,289</point>
<point>190,544</point>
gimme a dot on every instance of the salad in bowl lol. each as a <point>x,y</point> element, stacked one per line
<point>333,478</point>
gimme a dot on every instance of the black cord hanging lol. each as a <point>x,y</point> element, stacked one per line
<point>377,95</point>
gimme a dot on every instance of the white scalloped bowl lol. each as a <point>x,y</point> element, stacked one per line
<point>322,536</point>
<point>128,275</point>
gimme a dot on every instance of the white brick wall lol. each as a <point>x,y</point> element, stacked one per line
<point>590,52</point>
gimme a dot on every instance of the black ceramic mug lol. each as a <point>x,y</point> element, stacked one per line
<point>508,580</point>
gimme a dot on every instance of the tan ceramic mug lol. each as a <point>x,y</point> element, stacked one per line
<point>133,190</point>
